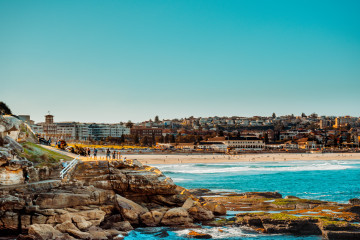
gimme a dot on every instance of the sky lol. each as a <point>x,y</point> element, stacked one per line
<point>117,60</point>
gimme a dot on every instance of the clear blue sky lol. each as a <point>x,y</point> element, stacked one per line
<point>111,61</point>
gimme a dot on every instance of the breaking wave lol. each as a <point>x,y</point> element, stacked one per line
<point>211,168</point>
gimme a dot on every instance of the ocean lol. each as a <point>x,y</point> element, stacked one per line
<point>335,180</point>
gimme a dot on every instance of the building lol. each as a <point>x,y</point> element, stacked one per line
<point>78,131</point>
<point>101,131</point>
<point>141,131</point>
<point>233,143</point>
<point>49,127</point>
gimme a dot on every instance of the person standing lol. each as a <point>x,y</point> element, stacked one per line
<point>95,153</point>
<point>114,155</point>
<point>108,154</point>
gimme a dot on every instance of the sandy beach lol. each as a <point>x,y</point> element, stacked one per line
<point>217,158</point>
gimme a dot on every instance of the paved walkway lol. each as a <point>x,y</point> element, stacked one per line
<point>101,157</point>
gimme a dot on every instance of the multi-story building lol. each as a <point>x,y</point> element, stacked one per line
<point>236,143</point>
<point>78,131</point>
<point>141,131</point>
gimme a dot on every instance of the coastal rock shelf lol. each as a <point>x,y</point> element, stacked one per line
<point>100,200</point>
<point>270,213</point>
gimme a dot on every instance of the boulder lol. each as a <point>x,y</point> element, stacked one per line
<point>216,208</point>
<point>66,226</point>
<point>122,226</point>
<point>98,233</point>
<point>176,217</point>
<point>129,210</point>
<point>355,201</point>
<point>43,231</point>
<point>152,218</point>
<point>188,203</point>
<point>80,222</point>
<point>200,213</point>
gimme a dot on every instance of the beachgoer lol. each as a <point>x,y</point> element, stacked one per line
<point>108,154</point>
<point>89,152</point>
<point>95,153</point>
<point>63,164</point>
<point>114,154</point>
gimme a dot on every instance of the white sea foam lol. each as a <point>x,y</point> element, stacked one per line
<point>219,232</point>
<point>181,179</point>
<point>208,168</point>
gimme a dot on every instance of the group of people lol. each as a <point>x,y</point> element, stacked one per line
<point>114,154</point>
<point>109,154</point>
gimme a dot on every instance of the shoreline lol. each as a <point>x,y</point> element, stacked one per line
<point>222,158</point>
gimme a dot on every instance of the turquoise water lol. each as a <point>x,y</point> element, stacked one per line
<point>323,180</point>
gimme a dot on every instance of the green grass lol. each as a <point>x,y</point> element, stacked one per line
<point>41,156</point>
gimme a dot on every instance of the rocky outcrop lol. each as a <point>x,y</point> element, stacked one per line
<point>100,200</point>
<point>12,164</point>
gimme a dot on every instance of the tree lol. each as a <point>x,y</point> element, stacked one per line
<point>129,124</point>
<point>122,138</point>
<point>157,119</point>
<point>303,115</point>
<point>4,109</point>
<point>221,133</point>
<point>136,139</point>
<point>144,141</point>
<point>266,138</point>
<point>274,115</point>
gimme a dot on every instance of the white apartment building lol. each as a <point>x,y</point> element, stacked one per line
<point>80,131</point>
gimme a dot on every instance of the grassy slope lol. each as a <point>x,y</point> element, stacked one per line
<point>42,156</point>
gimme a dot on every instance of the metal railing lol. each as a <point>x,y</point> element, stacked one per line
<point>69,167</point>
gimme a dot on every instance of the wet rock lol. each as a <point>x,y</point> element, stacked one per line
<point>341,235</point>
<point>355,201</point>
<point>197,235</point>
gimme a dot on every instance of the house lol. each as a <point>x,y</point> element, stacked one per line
<point>185,146</point>
<point>290,145</point>
<point>304,143</point>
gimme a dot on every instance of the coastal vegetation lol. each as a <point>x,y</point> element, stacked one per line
<point>42,156</point>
